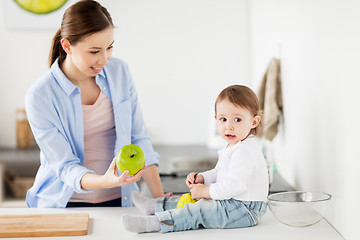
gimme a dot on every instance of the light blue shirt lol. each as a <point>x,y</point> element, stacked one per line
<point>54,109</point>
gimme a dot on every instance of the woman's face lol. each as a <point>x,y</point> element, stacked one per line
<point>90,55</point>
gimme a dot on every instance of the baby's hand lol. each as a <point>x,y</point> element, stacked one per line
<point>194,178</point>
<point>191,179</point>
<point>199,191</point>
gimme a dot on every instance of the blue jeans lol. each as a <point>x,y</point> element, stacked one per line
<point>207,213</point>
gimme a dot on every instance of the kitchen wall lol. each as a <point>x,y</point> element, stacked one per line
<point>181,54</point>
<point>318,44</point>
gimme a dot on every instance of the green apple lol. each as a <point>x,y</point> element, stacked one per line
<point>130,157</point>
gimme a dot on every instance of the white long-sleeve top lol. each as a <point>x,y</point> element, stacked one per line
<point>240,173</point>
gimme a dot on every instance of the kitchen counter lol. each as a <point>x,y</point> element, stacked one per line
<point>106,223</point>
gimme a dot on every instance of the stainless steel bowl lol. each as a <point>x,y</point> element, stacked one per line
<point>297,208</point>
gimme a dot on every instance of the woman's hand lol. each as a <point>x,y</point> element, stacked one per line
<point>199,191</point>
<point>153,181</point>
<point>193,178</point>
<point>110,179</point>
<point>169,194</point>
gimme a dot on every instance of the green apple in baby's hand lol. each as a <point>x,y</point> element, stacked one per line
<point>130,157</point>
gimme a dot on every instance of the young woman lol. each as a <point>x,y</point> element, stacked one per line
<point>82,111</point>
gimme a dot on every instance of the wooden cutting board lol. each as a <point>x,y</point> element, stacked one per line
<point>44,225</point>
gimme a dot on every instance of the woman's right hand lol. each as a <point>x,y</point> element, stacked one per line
<point>110,179</point>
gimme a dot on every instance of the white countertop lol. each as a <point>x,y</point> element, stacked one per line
<point>106,223</point>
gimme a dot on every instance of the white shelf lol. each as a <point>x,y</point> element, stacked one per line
<point>13,203</point>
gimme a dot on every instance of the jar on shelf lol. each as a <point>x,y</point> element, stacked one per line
<point>24,136</point>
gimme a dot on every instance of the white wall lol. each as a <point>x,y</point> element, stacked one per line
<point>23,60</point>
<point>181,54</point>
<point>318,43</point>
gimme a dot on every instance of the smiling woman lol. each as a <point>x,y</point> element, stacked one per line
<point>87,57</point>
<point>82,111</point>
<point>42,6</point>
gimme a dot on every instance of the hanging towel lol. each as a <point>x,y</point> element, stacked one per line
<point>270,98</point>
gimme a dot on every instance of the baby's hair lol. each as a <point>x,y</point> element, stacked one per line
<point>241,96</point>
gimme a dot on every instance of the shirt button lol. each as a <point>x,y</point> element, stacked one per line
<point>104,88</point>
<point>125,198</point>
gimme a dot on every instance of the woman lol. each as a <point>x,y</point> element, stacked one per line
<point>82,111</point>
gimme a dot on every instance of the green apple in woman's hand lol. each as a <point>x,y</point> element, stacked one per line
<point>130,157</point>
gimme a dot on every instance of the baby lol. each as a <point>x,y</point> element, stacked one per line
<point>233,194</point>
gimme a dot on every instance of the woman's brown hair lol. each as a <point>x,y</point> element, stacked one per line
<point>242,96</point>
<point>79,21</point>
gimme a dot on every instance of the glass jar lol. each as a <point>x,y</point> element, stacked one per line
<point>24,136</point>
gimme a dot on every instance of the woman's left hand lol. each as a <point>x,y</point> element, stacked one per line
<point>169,194</point>
<point>199,191</point>
<point>153,181</point>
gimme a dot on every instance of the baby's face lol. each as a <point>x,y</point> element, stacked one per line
<point>234,122</point>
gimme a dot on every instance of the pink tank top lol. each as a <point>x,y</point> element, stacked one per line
<point>99,143</point>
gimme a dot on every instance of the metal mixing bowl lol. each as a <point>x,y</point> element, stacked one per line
<point>297,208</point>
